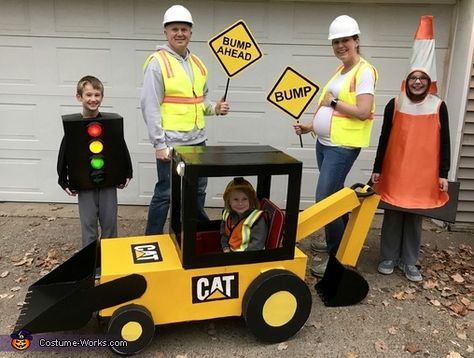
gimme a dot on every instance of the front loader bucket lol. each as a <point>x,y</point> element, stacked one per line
<point>341,285</point>
<point>58,301</point>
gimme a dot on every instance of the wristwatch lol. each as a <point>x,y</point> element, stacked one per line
<point>334,103</point>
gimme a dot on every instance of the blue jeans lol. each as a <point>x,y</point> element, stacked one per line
<point>160,202</point>
<point>334,164</point>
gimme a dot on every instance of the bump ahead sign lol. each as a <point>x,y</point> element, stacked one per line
<point>235,48</point>
<point>293,92</point>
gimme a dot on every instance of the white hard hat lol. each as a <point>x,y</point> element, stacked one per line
<point>177,13</point>
<point>343,26</point>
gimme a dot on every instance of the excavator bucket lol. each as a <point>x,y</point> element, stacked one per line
<point>57,301</point>
<point>66,298</point>
<point>341,285</point>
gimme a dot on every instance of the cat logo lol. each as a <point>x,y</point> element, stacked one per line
<point>215,287</point>
<point>144,253</point>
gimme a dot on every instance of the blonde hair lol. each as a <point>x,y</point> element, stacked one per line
<point>93,81</point>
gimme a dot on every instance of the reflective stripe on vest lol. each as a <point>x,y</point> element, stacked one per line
<point>346,130</point>
<point>414,141</point>
<point>239,234</point>
<point>182,107</point>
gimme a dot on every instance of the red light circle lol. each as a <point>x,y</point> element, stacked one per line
<point>94,130</point>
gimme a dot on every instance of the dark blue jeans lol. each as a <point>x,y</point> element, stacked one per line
<point>334,164</point>
<point>160,202</point>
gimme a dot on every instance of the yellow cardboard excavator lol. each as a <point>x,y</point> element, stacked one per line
<point>184,275</point>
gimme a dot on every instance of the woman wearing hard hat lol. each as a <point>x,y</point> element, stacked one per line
<point>413,157</point>
<point>342,122</point>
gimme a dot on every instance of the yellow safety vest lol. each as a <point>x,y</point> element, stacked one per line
<point>182,107</point>
<point>345,130</point>
<point>239,234</point>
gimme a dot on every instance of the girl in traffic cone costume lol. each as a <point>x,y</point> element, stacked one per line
<point>243,227</point>
<point>413,157</point>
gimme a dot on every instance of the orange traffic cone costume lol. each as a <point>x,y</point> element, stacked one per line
<point>412,158</point>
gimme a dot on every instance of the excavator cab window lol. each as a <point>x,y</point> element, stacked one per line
<point>198,241</point>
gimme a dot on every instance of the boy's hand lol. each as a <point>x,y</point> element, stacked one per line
<point>226,249</point>
<point>70,192</point>
<point>124,185</point>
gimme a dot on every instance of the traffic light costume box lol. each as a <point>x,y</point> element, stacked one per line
<point>93,153</point>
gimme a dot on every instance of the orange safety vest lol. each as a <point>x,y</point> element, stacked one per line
<point>410,168</point>
<point>239,234</point>
<point>183,104</point>
<point>345,130</point>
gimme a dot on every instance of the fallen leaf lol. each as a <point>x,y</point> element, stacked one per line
<point>470,349</point>
<point>283,346</point>
<point>392,330</point>
<point>454,355</point>
<point>16,288</point>
<point>350,355</point>
<point>462,335</point>
<point>412,348</point>
<point>4,274</point>
<point>458,308</point>
<point>380,346</point>
<point>435,303</point>
<point>430,284</point>
<point>457,278</point>
<point>399,295</point>
<point>385,303</point>
<point>3,295</point>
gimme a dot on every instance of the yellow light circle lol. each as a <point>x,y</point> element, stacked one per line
<point>279,309</point>
<point>96,146</point>
<point>131,331</point>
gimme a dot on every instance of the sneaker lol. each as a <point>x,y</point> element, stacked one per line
<point>318,270</point>
<point>386,267</point>
<point>411,272</point>
<point>318,245</point>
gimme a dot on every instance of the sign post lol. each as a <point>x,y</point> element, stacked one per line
<point>293,93</point>
<point>235,49</point>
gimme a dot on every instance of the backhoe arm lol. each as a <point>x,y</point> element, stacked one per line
<point>362,205</point>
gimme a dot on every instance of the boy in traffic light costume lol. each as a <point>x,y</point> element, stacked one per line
<point>94,161</point>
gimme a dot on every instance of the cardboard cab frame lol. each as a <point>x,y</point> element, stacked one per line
<point>147,281</point>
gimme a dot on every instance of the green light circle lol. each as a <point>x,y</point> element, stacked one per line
<point>97,162</point>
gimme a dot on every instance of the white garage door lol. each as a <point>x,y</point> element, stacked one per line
<point>46,46</point>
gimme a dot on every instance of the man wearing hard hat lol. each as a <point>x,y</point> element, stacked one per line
<point>174,102</point>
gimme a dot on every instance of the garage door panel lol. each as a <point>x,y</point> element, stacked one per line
<point>387,19</point>
<point>15,16</point>
<point>69,17</point>
<point>70,70</point>
<point>15,64</point>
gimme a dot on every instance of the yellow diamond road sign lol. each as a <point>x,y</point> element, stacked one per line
<point>293,92</point>
<point>235,48</point>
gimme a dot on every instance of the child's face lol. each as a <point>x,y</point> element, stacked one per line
<point>239,201</point>
<point>91,99</point>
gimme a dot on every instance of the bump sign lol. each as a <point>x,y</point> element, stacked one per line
<point>293,92</point>
<point>235,48</point>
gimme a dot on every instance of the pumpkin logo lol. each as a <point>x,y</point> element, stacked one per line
<point>21,340</point>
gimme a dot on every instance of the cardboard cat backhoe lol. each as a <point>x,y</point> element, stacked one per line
<point>147,281</point>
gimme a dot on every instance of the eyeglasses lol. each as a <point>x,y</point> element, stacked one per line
<point>421,79</point>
